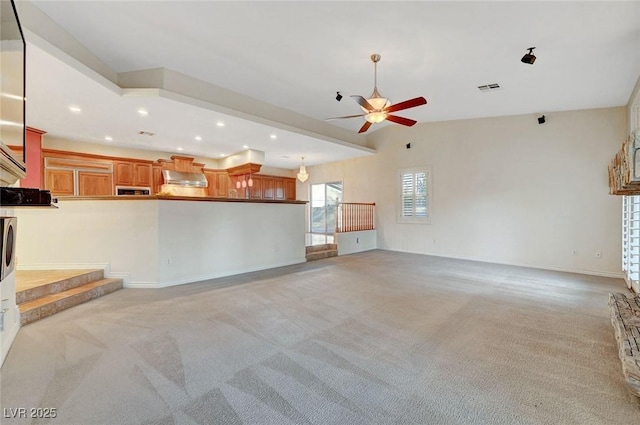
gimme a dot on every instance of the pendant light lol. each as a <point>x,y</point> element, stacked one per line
<point>302,174</point>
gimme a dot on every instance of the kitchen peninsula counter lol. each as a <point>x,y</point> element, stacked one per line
<point>158,241</point>
<point>176,198</point>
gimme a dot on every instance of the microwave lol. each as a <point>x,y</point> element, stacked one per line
<point>131,190</point>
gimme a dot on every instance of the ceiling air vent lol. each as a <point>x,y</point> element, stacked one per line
<point>146,133</point>
<point>489,87</point>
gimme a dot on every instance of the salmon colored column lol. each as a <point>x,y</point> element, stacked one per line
<point>33,159</point>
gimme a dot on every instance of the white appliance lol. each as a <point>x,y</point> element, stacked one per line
<point>8,228</point>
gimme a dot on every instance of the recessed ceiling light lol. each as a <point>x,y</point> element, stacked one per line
<point>220,124</point>
<point>273,136</point>
<point>198,138</point>
<point>143,112</point>
<point>179,148</point>
<point>222,154</point>
<point>108,138</point>
<point>75,109</point>
<point>245,147</point>
<point>286,156</point>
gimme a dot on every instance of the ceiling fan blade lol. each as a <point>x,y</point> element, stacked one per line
<point>411,103</point>
<point>401,120</point>
<point>363,102</point>
<point>365,127</point>
<point>347,116</point>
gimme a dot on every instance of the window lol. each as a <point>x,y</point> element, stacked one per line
<point>631,240</point>
<point>415,195</point>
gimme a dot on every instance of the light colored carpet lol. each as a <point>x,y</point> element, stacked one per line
<point>373,338</point>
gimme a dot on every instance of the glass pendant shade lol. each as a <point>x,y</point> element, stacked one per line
<point>250,182</point>
<point>244,183</point>
<point>238,184</point>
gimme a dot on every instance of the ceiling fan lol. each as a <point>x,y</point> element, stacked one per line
<point>377,108</point>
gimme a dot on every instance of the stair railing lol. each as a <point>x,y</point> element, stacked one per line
<point>355,216</point>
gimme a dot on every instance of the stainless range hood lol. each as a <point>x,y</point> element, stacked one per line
<point>181,178</point>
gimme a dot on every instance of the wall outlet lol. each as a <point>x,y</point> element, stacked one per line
<point>357,240</point>
<point>598,254</point>
<point>168,260</point>
<point>574,252</point>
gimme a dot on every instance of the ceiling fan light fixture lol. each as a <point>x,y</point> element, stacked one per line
<point>375,117</point>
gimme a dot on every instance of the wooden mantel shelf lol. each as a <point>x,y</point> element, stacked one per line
<point>176,198</point>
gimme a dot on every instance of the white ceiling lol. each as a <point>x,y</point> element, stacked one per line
<point>296,55</point>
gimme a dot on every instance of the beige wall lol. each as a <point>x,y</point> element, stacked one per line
<point>505,190</point>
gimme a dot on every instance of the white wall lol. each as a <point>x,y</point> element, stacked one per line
<point>505,190</point>
<point>204,240</point>
<point>353,242</point>
<point>86,234</point>
<point>156,243</point>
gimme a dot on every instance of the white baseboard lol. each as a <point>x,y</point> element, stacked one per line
<point>208,276</point>
<point>616,275</point>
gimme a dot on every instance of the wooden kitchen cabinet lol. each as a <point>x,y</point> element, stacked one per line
<point>59,182</point>
<point>123,173</point>
<point>255,191</point>
<point>290,189</point>
<point>268,187</point>
<point>142,174</point>
<point>156,178</point>
<point>94,184</point>
<point>131,173</point>
<point>279,188</point>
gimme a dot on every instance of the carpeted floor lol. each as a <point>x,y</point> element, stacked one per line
<point>372,338</point>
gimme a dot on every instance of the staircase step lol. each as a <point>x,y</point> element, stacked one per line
<point>53,303</point>
<point>323,247</point>
<point>319,255</point>
<point>56,281</point>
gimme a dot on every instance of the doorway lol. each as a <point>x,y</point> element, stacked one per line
<point>324,207</point>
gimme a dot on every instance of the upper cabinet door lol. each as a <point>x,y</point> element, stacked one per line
<point>142,174</point>
<point>59,182</point>
<point>123,173</point>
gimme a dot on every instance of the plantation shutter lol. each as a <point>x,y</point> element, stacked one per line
<point>631,239</point>
<point>414,194</point>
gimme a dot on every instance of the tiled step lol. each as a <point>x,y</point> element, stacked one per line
<point>318,252</point>
<point>53,303</point>
<point>46,282</point>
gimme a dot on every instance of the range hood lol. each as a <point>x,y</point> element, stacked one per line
<point>181,178</point>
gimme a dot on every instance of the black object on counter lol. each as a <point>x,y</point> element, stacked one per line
<point>22,196</point>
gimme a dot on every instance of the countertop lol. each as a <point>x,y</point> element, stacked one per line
<point>176,198</point>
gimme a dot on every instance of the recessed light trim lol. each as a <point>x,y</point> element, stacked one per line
<point>220,124</point>
<point>108,138</point>
<point>75,109</point>
<point>273,137</point>
<point>179,148</point>
<point>143,112</point>
<point>223,154</point>
<point>198,138</point>
<point>245,147</point>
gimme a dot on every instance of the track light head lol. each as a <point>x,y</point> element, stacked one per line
<point>338,96</point>
<point>541,120</point>
<point>529,58</point>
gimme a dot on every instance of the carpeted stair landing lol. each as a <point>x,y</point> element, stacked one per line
<point>318,252</point>
<point>41,293</point>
